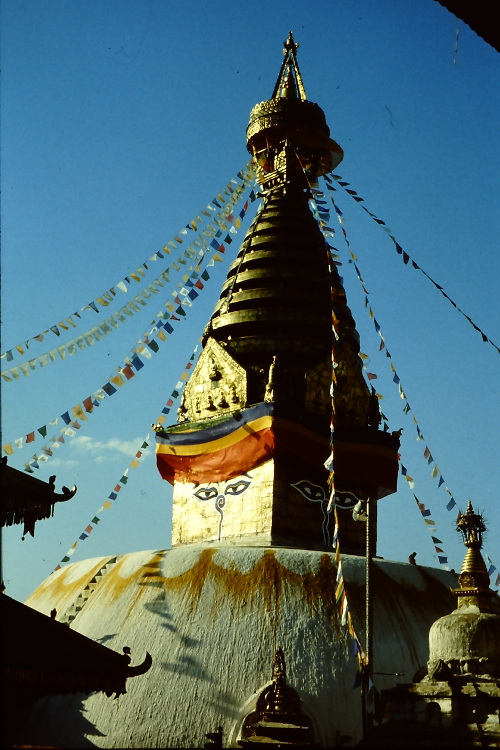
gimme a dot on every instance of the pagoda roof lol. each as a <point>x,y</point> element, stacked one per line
<point>27,499</point>
<point>45,657</point>
<point>481,17</point>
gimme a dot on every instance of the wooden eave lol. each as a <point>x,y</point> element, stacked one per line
<point>27,499</point>
<point>41,656</point>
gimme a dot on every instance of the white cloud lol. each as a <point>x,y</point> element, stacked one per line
<point>61,462</point>
<point>101,450</point>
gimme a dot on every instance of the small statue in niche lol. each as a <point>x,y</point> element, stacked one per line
<point>318,398</point>
<point>341,371</point>
<point>182,412</point>
<point>233,396</point>
<point>211,406</point>
<point>222,402</point>
<point>197,405</point>
<point>213,372</point>
<point>373,417</point>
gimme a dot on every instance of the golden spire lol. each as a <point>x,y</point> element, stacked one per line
<point>473,579</point>
<point>288,125</point>
<point>289,74</point>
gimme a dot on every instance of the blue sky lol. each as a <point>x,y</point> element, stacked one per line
<point>121,121</point>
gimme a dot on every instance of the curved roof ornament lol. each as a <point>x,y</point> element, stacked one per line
<point>43,656</point>
<point>27,499</point>
<point>139,668</point>
<point>135,671</point>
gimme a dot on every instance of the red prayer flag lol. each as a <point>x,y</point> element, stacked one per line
<point>87,402</point>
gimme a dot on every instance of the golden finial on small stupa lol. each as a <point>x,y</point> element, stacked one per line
<point>473,579</point>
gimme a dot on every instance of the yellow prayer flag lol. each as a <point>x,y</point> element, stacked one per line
<point>118,380</point>
<point>78,412</point>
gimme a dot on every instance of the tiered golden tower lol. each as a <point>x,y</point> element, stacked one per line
<point>280,381</point>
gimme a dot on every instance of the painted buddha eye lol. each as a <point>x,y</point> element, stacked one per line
<point>237,488</point>
<point>206,493</point>
<point>310,491</point>
<point>346,500</point>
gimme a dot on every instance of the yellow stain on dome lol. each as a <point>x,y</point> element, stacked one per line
<point>64,586</point>
<point>268,581</point>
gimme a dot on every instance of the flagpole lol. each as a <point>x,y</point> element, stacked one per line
<point>367,681</point>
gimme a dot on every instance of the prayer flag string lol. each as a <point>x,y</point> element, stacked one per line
<point>435,472</point>
<point>443,560</point>
<point>107,504</point>
<point>138,455</point>
<point>491,569</point>
<point>405,256</point>
<point>322,215</point>
<point>197,247</point>
<point>430,526</point>
<point>132,364</point>
<point>343,605</point>
<point>321,212</point>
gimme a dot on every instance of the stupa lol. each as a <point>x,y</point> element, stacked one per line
<point>277,442</point>
<point>457,701</point>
